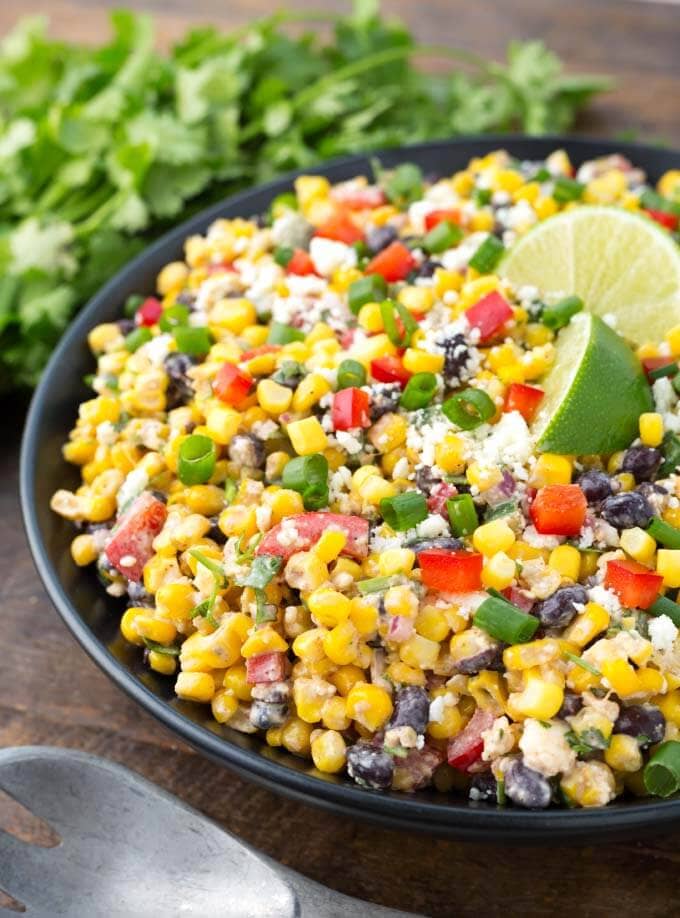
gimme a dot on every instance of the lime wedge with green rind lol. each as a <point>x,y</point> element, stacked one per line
<point>620,263</point>
<point>595,392</point>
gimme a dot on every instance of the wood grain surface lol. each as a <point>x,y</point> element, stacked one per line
<point>50,693</point>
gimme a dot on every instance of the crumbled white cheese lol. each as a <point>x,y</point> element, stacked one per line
<point>433,526</point>
<point>265,429</point>
<point>520,215</point>
<point>508,443</point>
<point>401,468</point>
<point>664,394</point>
<point>157,349</point>
<point>545,748</point>
<point>498,739</point>
<point>605,598</point>
<point>288,534</point>
<point>532,537</point>
<point>263,517</point>
<point>106,433</point>
<point>291,229</point>
<point>437,706</point>
<point>134,484</point>
<point>328,255</point>
<point>349,442</point>
<point>662,632</point>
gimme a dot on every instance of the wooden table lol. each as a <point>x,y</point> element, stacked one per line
<point>51,693</point>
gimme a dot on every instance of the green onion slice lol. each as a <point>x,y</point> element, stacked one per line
<point>374,585</point>
<point>308,475</point>
<point>671,455</point>
<point>504,621</point>
<point>369,289</point>
<point>132,304</point>
<point>662,773</point>
<point>192,340</point>
<point>419,391</point>
<point>173,316</point>
<point>663,532</point>
<point>559,315</point>
<point>487,255</point>
<point>469,409</point>
<point>404,511</point>
<point>137,338</point>
<point>462,514</point>
<point>279,333</point>
<point>351,374</point>
<point>584,664</point>
<point>665,606</point>
<point>400,338</point>
<point>283,254</point>
<point>441,237</point>
<point>197,458</point>
<point>567,189</point>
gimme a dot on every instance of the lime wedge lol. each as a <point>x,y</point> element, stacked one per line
<point>595,392</point>
<point>618,262</point>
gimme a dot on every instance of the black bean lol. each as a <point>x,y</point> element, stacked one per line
<point>426,479</point>
<point>526,787</point>
<point>627,510</point>
<point>379,238</point>
<point>265,714</point>
<point>428,268</point>
<point>125,325</point>
<point>456,355</point>
<point>642,461</point>
<point>411,708</point>
<point>180,390</point>
<point>483,787</point>
<point>595,485</point>
<point>644,721</point>
<point>185,298</point>
<point>370,766</point>
<point>446,542</point>
<point>159,495</point>
<point>384,398</point>
<point>247,450</point>
<point>138,595</point>
<point>558,610</point>
<point>215,533</point>
<point>651,490</point>
<point>571,705</point>
<point>491,658</point>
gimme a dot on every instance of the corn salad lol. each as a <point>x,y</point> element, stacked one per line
<point>308,469</point>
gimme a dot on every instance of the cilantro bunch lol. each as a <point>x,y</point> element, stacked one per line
<point>101,148</point>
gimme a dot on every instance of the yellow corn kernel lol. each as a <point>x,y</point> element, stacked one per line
<point>84,550</point>
<point>79,452</point>
<point>128,625</point>
<point>483,477</point>
<point>673,339</point>
<point>651,680</point>
<point>370,318</point>
<point>538,361</point>
<point>369,705</point>
<point>362,473</point>
<point>417,361</point>
<point>296,736</point>
<point>100,409</point>
<point>172,278</point>
<point>668,565</point>
<point>334,713</point>
<point>175,601</point>
<point>651,428</point>
<point>328,607</point>
<point>154,629</point>
<point>606,188</point>
<point>235,314</point>
<point>330,545</point>
<point>401,600</point>
<point>163,663</point>
<point>224,705</point>
<point>614,462</point>
<point>375,489</point>
<point>488,690</point>
<point>363,616</point>
<point>236,683</point>
<point>533,653</point>
<point>205,499</point>
<point>273,397</point>
<point>221,424</point>
<point>539,699</point>
<point>447,282</point>
<point>493,537</point>
<point>195,686</point>
<point>419,652</point>
<point>309,392</point>
<point>551,469</point>
<point>589,784</point>
<point>580,680</point>
<point>341,643</point>
<point>329,751</point>
<point>307,436</point>
<point>623,753</point>
<point>588,567</point>
<point>238,521</point>
<point>670,706</point>
<point>432,623</point>
<point>345,677</point>
<point>98,508</point>
<point>311,187</point>
<point>305,571</point>
<point>626,481</point>
<point>449,455</point>
<point>587,625</point>
<point>482,221</point>
<point>285,502</point>
<point>545,207</point>
<point>537,334</point>
<point>105,337</point>
<point>621,677</point>
<point>371,348</point>
<point>264,640</point>
<point>638,544</point>
<point>499,571</point>
<point>389,432</point>
<point>308,646</point>
<point>449,724</point>
<point>669,184</point>
<point>566,560</point>
<point>396,561</point>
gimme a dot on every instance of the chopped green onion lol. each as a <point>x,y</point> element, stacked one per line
<point>500,792</point>
<point>665,533</point>
<point>671,455</point>
<point>404,511</point>
<point>137,338</point>
<point>504,621</point>
<point>369,289</point>
<point>662,773</point>
<point>230,491</point>
<point>308,475</point>
<point>197,458</point>
<point>584,664</point>
<point>441,237</point>
<point>419,391</point>
<point>652,200</point>
<point>192,340</point>
<point>400,338</point>
<point>405,184</point>
<point>665,606</point>
<point>668,369</point>
<point>487,255</point>
<point>282,255</point>
<point>289,370</point>
<point>351,374</point>
<point>500,510</point>
<point>279,333</point>
<point>132,304</point>
<point>541,175</point>
<point>173,316</point>
<point>481,196</point>
<point>469,409</point>
<point>567,189</point>
<point>170,651</point>
<point>559,315</point>
<point>262,571</point>
<point>462,514</point>
<point>374,585</point>
<point>285,201</point>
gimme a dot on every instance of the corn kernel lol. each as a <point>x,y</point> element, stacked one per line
<point>163,663</point>
<point>638,544</point>
<point>310,390</point>
<point>264,640</point>
<point>499,571</point>
<point>551,469</point>
<point>328,607</point>
<point>493,537</point>
<point>296,736</point>
<point>224,705</point>
<point>589,784</point>
<point>540,699</point>
<point>364,616</point>
<point>84,550</point>
<point>432,623</point>
<point>375,488</point>
<point>305,571</point>
<point>341,643</point>
<point>587,625</point>
<point>419,652</point>
<point>330,545</point>
<point>370,318</point>
<point>621,677</point>
<point>449,454</point>
<point>334,713</point>
<point>195,686</point>
<point>128,625</point>
<point>235,314</point>
<point>285,502</point>
<point>566,560</point>
<point>533,653</point>
<point>389,432</point>
<point>307,436</point>
<point>417,361</point>
<point>369,705</point>
<point>482,477</point>
<point>329,752</point>
<point>450,723</point>
<point>401,600</point>
<point>396,561</point>
<point>668,565</point>
<point>651,428</point>
<point>623,753</point>
<point>273,397</point>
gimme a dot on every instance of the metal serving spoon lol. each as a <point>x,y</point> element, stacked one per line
<point>130,849</point>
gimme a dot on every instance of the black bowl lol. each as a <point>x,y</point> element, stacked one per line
<point>93,617</point>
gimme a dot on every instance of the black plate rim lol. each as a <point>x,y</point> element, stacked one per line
<point>399,811</point>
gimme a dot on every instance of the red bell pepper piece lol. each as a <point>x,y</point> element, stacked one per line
<point>636,586</point>
<point>394,263</point>
<point>663,218</point>
<point>440,493</point>
<point>451,571</point>
<point>261,349</point>
<point>350,409</point>
<point>466,748</point>
<point>266,667</point>
<point>519,598</point>
<point>524,399</point>
<point>438,216</point>
<point>359,198</point>
<point>149,312</point>
<point>559,510</point>
<point>390,370</point>
<point>489,314</point>
<point>232,385</point>
<point>655,363</point>
<point>341,228</point>
<point>300,263</point>
<point>131,543</point>
<point>300,532</point>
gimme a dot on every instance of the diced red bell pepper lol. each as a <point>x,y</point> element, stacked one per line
<point>649,364</point>
<point>636,586</point>
<point>489,314</point>
<point>390,370</point>
<point>347,338</point>
<point>466,748</point>
<point>451,571</point>
<point>232,385</point>
<point>258,351</point>
<point>519,598</point>
<point>663,218</point>
<point>438,216</point>
<point>440,493</point>
<point>394,263</point>
<point>559,510</point>
<point>341,228</point>
<point>350,409</point>
<point>149,312</point>
<point>302,531</point>
<point>359,198</point>
<point>524,399</point>
<point>266,667</point>
<point>131,543</point>
<point>300,263</point>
